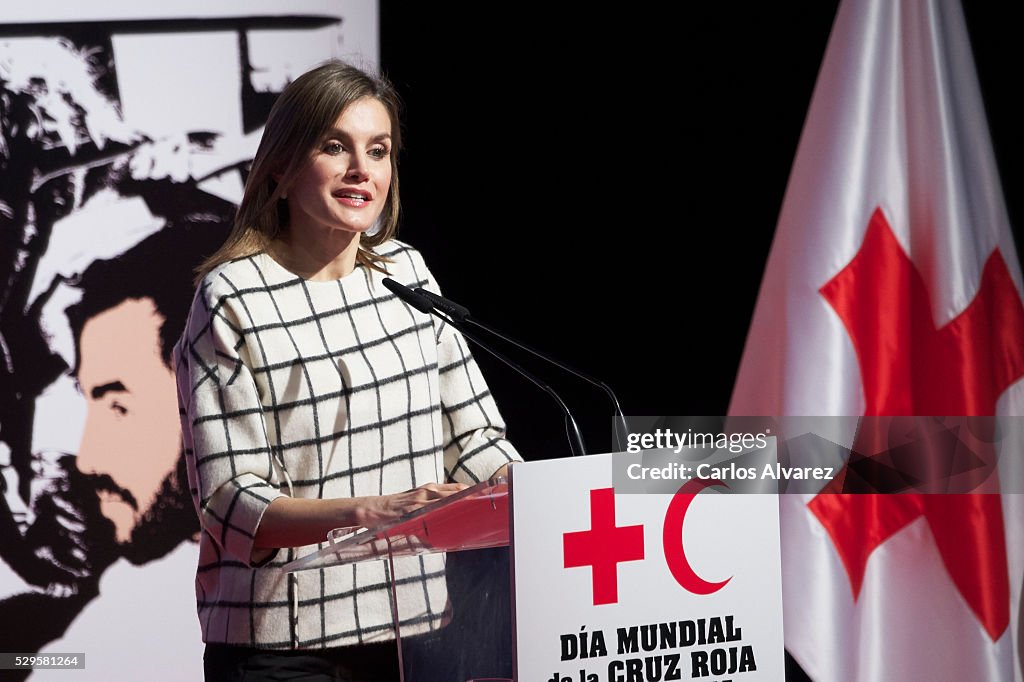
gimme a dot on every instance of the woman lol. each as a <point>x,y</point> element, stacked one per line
<point>314,399</point>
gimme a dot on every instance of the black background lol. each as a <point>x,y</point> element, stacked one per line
<point>605,185</point>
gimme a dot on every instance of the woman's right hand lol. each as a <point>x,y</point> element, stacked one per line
<point>378,510</point>
<point>294,522</point>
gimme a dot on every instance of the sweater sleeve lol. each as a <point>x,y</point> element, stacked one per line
<point>475,445</point>
<point>474,431</point>
<point>232,469</point>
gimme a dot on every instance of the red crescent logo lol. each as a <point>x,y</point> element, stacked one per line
<point>672,538</point>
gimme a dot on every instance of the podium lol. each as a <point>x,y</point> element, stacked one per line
<point>476,518</point>
<point>599,585</point>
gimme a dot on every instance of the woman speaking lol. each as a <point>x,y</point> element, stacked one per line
<point>312,398</point>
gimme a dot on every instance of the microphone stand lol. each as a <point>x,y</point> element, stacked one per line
<point>571,429</point>
<point>422,303</point>
<point>461,313</point>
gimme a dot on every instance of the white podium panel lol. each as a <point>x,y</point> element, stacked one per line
<point>626,587</point>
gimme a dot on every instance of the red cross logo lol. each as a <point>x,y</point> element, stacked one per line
<point>908,366</point>
<point>603,546</point>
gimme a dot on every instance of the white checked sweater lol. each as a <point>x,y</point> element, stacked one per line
<point>321,390</point>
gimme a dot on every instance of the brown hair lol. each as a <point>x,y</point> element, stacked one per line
<point>303,113</point>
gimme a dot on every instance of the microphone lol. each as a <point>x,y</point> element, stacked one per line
<point>449,308</point>
<point>420,300</point>
<point>416,300</point>
<point>461,313</point>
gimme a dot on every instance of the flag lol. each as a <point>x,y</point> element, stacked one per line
<point>893,288</point>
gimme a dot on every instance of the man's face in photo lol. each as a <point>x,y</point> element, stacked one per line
<point>132,435</point>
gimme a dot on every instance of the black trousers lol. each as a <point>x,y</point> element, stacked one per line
<point>362,663</point>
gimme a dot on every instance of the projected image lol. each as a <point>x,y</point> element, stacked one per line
<point>124,147</point>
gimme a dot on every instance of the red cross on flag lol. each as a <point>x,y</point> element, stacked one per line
<point>893,288</point>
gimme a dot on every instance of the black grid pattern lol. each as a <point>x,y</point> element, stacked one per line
<point>320,390</point>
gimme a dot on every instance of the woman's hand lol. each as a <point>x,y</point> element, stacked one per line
<point>295,522</point>
<point>502,472</point>
<point>377,510</point>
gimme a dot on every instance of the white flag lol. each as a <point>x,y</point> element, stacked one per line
<point>893,288</point>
